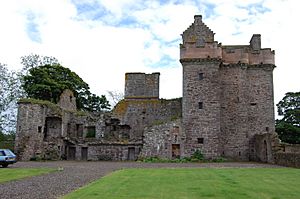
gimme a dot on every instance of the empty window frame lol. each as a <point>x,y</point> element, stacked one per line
<point>200,105</point>
<point>200,76</point>
<point>200,140</point>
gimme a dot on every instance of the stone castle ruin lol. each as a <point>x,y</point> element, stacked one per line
<point>227,110</point>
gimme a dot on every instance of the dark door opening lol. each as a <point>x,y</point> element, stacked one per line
<point>84,153</point>
<point>265,151</point>
<point>175,151</point>
<point>131,153</point>
<point>71,153</point>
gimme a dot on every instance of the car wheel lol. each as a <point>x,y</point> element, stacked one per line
<point>4,165</point>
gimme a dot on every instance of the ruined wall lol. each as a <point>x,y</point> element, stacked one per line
<point>141,113</point>
<point>67,101</point>
<point>288,155</point>
<point>164,141</point>
<point>47,131</point>
<point>38,128</point>
<point>113,151</point>
<point>287,159</point>
<point>141,86</point>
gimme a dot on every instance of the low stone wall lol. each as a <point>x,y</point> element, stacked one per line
<point>291,148</point>
<point>113,152</point>
<point>287,159</point>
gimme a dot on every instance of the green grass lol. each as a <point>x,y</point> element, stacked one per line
<point>268,183</point>
<point>9,174</point>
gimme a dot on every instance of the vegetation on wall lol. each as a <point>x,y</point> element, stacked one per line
<point>47,82</point>
<point>288,128</point>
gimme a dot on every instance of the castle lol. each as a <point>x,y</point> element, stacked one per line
<point>227,110</point>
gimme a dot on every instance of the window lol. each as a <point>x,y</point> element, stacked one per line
<point>91,132</point>
<point>200,105</point>
<point>267,129</point>
<point>39,129</point>
<point>200,76</point>
<point>200,140</point>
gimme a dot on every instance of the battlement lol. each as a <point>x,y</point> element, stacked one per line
<point>198,42</point>
<point>142,86</point>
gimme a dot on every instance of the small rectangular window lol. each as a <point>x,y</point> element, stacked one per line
<point>200,140</point>
<point>200,105</point>
<point>39,129</point>
<point>200,76</point>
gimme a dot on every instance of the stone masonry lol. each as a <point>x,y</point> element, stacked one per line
<point>227,110</point>
<point>227,93</point>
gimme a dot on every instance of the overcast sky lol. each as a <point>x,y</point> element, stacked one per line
<point>101,40</point>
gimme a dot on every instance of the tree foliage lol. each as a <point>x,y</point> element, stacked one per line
<point>288,128</point>
<point>47,82</point>
<point>34,60</point>
<point>9,94</point>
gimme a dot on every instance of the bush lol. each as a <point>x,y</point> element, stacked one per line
<point>197,155</point>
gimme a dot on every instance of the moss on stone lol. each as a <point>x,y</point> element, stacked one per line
<point>50,105</point>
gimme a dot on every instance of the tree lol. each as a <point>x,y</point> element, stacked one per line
<point>9,94</point>
<point>34,60</point>
<point>11,90</point>
<point>288,128</point>
<point>49,81</point>
<point>115,97</point>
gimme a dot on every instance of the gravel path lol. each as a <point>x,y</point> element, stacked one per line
<point>77,174</point>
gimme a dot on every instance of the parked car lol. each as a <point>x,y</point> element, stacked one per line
<point>7,157</point>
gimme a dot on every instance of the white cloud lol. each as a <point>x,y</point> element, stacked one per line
<point>103,41</point>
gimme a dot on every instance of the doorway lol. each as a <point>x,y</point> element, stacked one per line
<point>84,153</point>
<point>131,153</point>
<point>175,151</point>
<point>71,153</point>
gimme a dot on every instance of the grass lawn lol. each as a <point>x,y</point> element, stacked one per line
<point>190,183</point>
<point>8,174</point>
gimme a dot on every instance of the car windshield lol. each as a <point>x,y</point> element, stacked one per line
<point>8,152</point>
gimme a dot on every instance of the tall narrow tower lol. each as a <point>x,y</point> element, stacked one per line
<point>227,94</point>
<point>200,57</point>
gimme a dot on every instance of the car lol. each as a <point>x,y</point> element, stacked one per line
<point>7,157</point>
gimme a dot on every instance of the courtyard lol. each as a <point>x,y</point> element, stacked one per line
<point>72,175</point>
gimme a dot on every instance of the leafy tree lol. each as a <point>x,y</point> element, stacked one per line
<point>49,81</point>
<point>11,90</point>
<point>9,93</point>
<point>34,60</point>
<point>288,128</point>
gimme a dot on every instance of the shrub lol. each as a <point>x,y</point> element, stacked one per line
<point>197,155</point>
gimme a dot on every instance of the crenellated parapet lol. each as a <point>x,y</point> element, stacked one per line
<point>198,42</point>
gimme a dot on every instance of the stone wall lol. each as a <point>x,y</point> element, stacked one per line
<point>288,155</point>
<point>141,86</point>
<point>234,102</point>
<point>287,159</point>
<point>164,141</point>
<point>201,106</point>
<point>32,130</point>
<point>227,93</point>
<point>139,114</point>
<point>46,131</point>
<point>113,151</point>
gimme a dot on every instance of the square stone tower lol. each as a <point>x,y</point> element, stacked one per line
<point>142,86</point>
<point>227,93</point>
